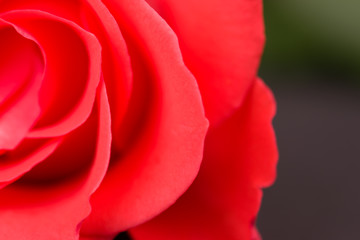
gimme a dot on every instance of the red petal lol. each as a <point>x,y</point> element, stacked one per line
<point>96,18</point>
<point>70,10</point>
<point>55,210</point>
<point>165,159</point>
<point>29,153</point>
<point>21,73</point>
<point>255,234</point>
<point>72,74</point>
<point>240,158</point>
<point>222,43</point>
<point>112,237</point>
<point>116,67</point>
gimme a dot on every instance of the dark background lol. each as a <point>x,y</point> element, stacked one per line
<point>312,64</point>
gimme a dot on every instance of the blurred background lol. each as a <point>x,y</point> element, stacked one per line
<point>312,64</point>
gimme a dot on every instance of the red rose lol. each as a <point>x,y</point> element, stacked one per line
<point>102,126</point>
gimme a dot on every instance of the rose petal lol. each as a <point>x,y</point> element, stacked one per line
<point>73,67</point>
<point>93,16</point>
<point>97,238</point>
<point>13,59</point>
<point>155,171</point>
<point>55,210</point>
<point>21,160</point>
<point>255,234</point>
<point>116,66</point>
<point>70,157</point>
<point>21,73</point>
<point>70,10</point>
<point>222,43</point>
<point>240,157</point>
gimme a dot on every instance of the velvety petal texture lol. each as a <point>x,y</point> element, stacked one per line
<point>240,158</point>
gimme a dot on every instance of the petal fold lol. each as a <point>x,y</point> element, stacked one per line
<point>240,158</point>
<point>72,70</point>
<point>222,43</point>
<point>28,154</point>
<point>21,76</point>
<point>55,210</point>
<point>151,173</point>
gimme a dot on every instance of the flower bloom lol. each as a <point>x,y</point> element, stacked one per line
<point>135,116</point>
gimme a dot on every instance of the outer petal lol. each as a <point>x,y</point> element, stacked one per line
<point>55,209</point>
<point>255,234</point>
<point>152,173</point>
<point>240,158</point>
<point>222,42</point>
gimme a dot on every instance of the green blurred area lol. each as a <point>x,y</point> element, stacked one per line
<point>313,37</point>
<point>312,64</point>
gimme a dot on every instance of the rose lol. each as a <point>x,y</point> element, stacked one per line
<point>73,67</point>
